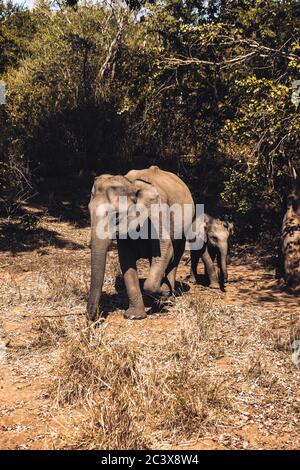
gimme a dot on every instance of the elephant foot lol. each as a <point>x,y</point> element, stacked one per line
<point>214,285</point>
<point>92,313</point>
<point>165,292</point>
<point>151,288</point>
<point>135,314</point>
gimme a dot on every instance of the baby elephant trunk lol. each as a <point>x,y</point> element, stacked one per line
<point>222,262</point>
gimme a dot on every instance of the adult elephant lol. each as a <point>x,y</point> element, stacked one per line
<point>147,188</point>
<point>217,233</point>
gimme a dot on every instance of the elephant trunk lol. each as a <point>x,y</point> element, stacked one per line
<point>99,250</point>
<point>222,261</point>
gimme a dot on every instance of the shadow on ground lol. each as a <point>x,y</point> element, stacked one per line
<point>119,300</point>
<point>251,284</point>
<point>59,201</point>
<point>21,236</point>
<point>66,200</point>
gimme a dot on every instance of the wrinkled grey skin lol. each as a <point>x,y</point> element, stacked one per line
<point>149,186</point>
<point>216,246</point>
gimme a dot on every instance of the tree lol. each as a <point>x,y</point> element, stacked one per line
<point>61,101</point>
<point>17,28</point>
<point>291,238</point>
<point>204,88</point>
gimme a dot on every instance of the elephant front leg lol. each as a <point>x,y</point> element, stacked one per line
<point>168,287</point>
<point>210,269</point>
<point>162,255</point>
<point>136,309</point>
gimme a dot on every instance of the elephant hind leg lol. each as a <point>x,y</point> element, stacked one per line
<point>152,285</point>
<point>195,256</point>
<point>168,285</point>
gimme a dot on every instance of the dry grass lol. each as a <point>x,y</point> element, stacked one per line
<point>107,425</point>
<point>47,331</point>
<point>202,369</point>
<point>259,376</point>
<point>65,284</point>
<point>295,332</point>
<point>127,392</point>
<point>283,341</point>
<point>130,392</point>
<point>100,378</point>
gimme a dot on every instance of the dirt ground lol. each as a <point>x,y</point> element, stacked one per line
<point>44,273</point>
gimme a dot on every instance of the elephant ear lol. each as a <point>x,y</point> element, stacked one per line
<point>146,193</point>
<point>98,180</point>
<point>198,234</point>
<point>230,228</point>
<point>137,175</point>
<point>206,220</point>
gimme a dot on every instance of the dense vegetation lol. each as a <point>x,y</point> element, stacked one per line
<point>205,88</point>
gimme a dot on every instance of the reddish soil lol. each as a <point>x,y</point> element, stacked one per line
<point>27,419</point>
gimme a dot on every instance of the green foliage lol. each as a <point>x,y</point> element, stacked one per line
<point>17,28</point>
<point>242,190</point>
<point>203,88</point>
<point>62,112</point>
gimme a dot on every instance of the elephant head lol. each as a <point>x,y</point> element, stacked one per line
<point>105,207</point>
<point>218,233</point>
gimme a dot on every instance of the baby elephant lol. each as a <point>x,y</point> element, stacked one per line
<point>216,246</point>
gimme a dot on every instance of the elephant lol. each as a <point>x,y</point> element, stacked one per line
<point>147,187</point>
<point>217,233</point>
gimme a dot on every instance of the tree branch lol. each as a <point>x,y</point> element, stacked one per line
<point>259,50</point>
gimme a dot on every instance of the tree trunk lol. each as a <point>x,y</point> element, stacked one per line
<point>291,238</point>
